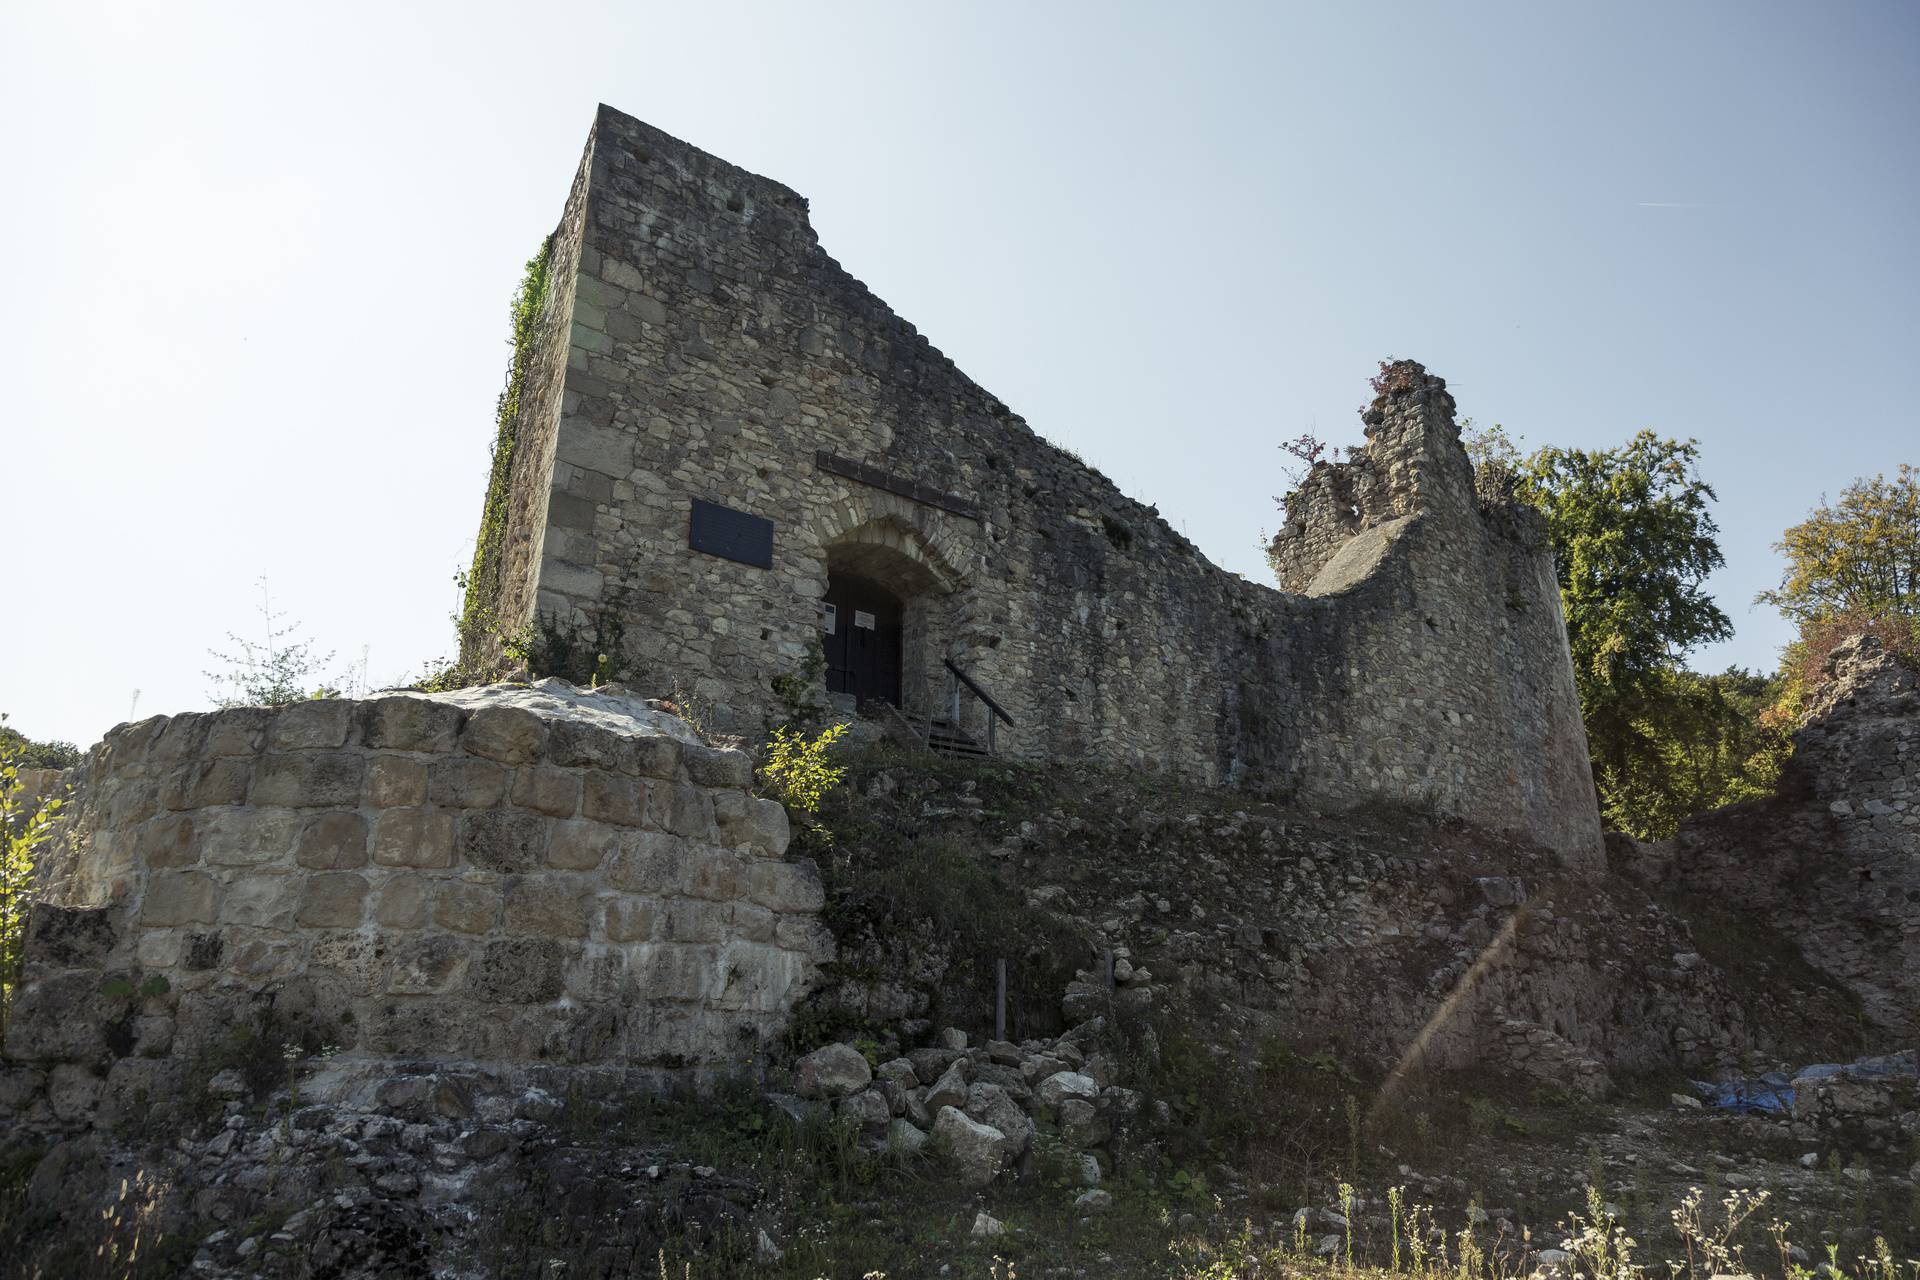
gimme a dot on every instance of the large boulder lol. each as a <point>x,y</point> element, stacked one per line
<point>992,1105</point>
<point>976,1151</point>
<point>832,1072</point>
<point>1061,1085</point>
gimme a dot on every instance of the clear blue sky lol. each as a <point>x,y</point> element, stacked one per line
<point>261,255</point>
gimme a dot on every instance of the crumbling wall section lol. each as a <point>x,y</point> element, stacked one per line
<point>1834,857</point>
<point>720,355</point>
<point>501,876</point>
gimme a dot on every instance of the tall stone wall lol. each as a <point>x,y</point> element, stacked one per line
<point>718,353</point>
<point>1834,857</point>
<point>506,875</point>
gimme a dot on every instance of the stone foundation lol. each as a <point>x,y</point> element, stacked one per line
<point>504,875</point>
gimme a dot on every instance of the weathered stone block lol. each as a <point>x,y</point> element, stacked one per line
<point>503,840</point>
<point>309,779</point>
<point>182,738</point>
<point>598,976</point>
<point>401,902</point>
<point>180,897</point>
<point>718,767</point>
<point>555,792</point>
<point>718,875</point>
<point>333,900</point>
<point>308,726</point>
<point>647,862</point>
<point>413,838</point>
<point>656,758</point>
<point>788,886</point>
<point>466,784</point>
<point>752,924</point>
<point>690,920</point>
<point>423,965</point>
<point>684,810</point>
<point>396,782</point>
<point>546,907</point>
<point>630,919</point>
<point>333,842</point>
<point>247,837</point>
<point>581,846</point>
<point>584,745</point>
<point>412,724</point>
<point>168,841</point>
<point>238,731</point>
<point>675,971</point>
<point>201,783</point>
<point>57,1019</point>
<point>465,907</point>
<point>517,971</point>
<point>611,798</point>
<point>511,735</point>
<point>261,901</point>
<point>71,937</point>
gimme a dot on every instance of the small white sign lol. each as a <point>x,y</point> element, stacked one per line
<point>861,618</point>
<point>829,614</point>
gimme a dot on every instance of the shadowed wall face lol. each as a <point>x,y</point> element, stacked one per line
<point>715,353</point>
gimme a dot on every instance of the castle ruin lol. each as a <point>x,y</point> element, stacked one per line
<point>731,450</point>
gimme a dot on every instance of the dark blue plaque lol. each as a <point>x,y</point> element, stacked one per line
<point>731,535</point>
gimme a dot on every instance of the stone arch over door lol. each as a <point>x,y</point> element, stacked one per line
<point>892,590</point>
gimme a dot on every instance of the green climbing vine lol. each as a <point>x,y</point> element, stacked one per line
<point>482,582</point>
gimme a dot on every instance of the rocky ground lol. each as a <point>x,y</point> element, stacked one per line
<point>1217,1012</point>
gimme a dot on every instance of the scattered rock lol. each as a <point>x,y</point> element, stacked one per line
<point>832,1072</point>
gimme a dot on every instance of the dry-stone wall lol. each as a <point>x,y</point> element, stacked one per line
<point>715,353</point>
<point>1834,858</point>
<point>510,875</point>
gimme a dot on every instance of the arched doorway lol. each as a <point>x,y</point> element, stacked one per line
<point>862,626</point>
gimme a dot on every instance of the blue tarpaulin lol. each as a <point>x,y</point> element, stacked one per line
<point>1773,1093</point>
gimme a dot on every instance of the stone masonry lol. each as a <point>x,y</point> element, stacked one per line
<point>1834,856</point>
<point>508,875</point>
<point>698,344</point>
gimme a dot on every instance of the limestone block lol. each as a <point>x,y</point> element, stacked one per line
<point>396,782</point>
<point>718,767</point>
<point>548,907</point>
<point>503,840</point>
<point>690,920</point>
<point>181,738</point>
<point>167,841</point>
<point>429,964</point>
<point>671,971</point>
<point>628,919</point>
<point>401,902</point>
<point>267,901</point>
<point>339,963</point>
<point>412,724</point>
<point>321,724</point>
<point>71,936</point>
<point>517,971</point>
<point>333,900</point>
<point>466,784</point>
<point>57,1019</point>
<point>976,1151</point>
<point>413,838</point>
<point>787,886</point>
<point>511,735</point>
<point>202,783</point>
<point>180,897</point>
<point>990,1104</point>
<point>247,837</point>
<point>753,924</point>
<point>656,758</point>
<point>465,907</point>
<point>580,846</point>
<point>333,842</point>
<point>718,875</point>
<point>647,862</point>
<point>238,731</point>
<point>554,792</point>
<point>598,975</point>
<point>573,744</point>
<point>684,810</point>
<point>610,798</point>
<point>309,779</point>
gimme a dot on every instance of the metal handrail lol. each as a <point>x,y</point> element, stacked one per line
<point>978,692</point>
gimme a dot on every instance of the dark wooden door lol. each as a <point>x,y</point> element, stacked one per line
<point>861,630</point>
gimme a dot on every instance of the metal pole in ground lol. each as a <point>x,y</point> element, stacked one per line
<point>1000,998</point>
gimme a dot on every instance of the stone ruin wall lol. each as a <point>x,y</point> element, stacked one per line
<point>521,878</point>
<point>716,350</point>
<point>1833,858</point>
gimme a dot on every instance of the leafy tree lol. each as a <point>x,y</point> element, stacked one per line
<point>1859,556</point>
<point>271,671</point>
<point>1634,542</point>
<point>26,823</point>
<point>28,754</point>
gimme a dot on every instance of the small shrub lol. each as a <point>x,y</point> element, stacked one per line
<point>799,770</point>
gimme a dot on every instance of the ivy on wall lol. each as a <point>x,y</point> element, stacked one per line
<point>478,620</point>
